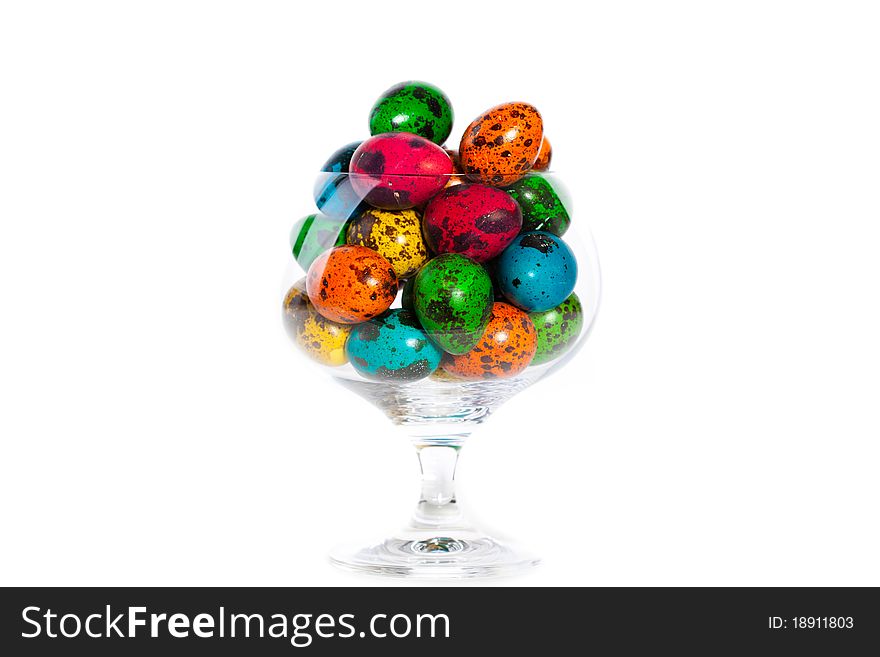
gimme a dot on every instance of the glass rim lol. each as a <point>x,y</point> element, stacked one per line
<point>378,177</point>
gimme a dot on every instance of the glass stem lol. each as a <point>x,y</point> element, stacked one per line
<point>437,505</point>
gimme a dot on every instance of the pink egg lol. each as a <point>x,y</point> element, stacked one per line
<point>399,170</point>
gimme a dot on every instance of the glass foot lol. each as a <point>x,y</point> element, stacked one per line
<point>425,556</point>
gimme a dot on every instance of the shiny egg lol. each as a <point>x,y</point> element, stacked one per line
<point>351,284</point>
<point>558,329</point>
<point>398,171</point>
<point>452,297</point>
<point>392,347</point>
<point>314,234</point>
<point>457,176</point>
<point>541,205</point>
<point>407,294</point>
<point>394,234</point>
<point>334,194</point>
<point>415,107</point>
<point>537,271</point>
<point>506,348</point>
<point>545,155</point>
<point>318,337</point>
<point>500,146</point>
<point>477,221</point>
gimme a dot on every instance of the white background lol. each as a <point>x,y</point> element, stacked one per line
<point>720,428</point>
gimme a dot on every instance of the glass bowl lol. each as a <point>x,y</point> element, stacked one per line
<point>437,400</point>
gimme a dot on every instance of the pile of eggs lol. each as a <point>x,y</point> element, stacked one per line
<point>471,239</point>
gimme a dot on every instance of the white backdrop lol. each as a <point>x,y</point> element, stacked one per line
<point>721,427</point>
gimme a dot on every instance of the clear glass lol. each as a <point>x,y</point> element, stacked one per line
<point>439,413</point>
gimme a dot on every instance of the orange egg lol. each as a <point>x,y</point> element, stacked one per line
<point>501,146</point>
<point>507,347</point>
<point>457,176</point>
<point>456,160</point>
<point>544,156</point>
<point>351,284</point>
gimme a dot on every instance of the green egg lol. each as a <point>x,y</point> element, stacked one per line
<point>558,329</point>
<point>416,107</point>
<point>453,299</point>
<point>406,296</point>
<point>314,234</point>
<point>542,208</point>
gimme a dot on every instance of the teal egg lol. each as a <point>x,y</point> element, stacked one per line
<point>558,329</point>
<point>392,347</point>
<point>334,194</point>
<point>314,234</point>
<point>537,271</point>
<point>453,298</point>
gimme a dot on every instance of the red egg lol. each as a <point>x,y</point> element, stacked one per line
<point>476,221</point>
<point>399,170</point>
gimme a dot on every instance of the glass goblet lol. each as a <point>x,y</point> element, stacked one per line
<point>437,408</point>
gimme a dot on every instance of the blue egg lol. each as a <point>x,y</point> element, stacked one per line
<point>537,271</point>
<point>341,158</point>
<point>334,194</point>
<point>392,347</point>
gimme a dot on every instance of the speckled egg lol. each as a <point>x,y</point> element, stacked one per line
<point>351,284</point>
<point>452,297</point>
<point>474,220</point>
<point>398,171</point>
<point>456,160</point>
<point>544,156</point>
<point>500,146</point>
<point>542,207</point>
<point>321,339</point>
<point>537,271</point>
<point>558,329</point>
<point>395,234</point>
<point>407,294</point>
<point>416,107</point>
<point>392,347</point>
<point>491,267</point>
<point>442,376</point>
<point>341,158</point>
<point>314,234</point>
<point>457,176</point>
<point>334,194</point>
<point>506,348</point>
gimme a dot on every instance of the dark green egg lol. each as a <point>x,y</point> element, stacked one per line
<point>453,298</point>
<point>558,329</point>
<point>542,208</point>
<point>406,296</point>
<point>314,234</point>
<point>416,107</point>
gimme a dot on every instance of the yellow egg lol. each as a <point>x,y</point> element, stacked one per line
<point>321,339</point>
<point>443,376</point>
<point>395,234</point>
